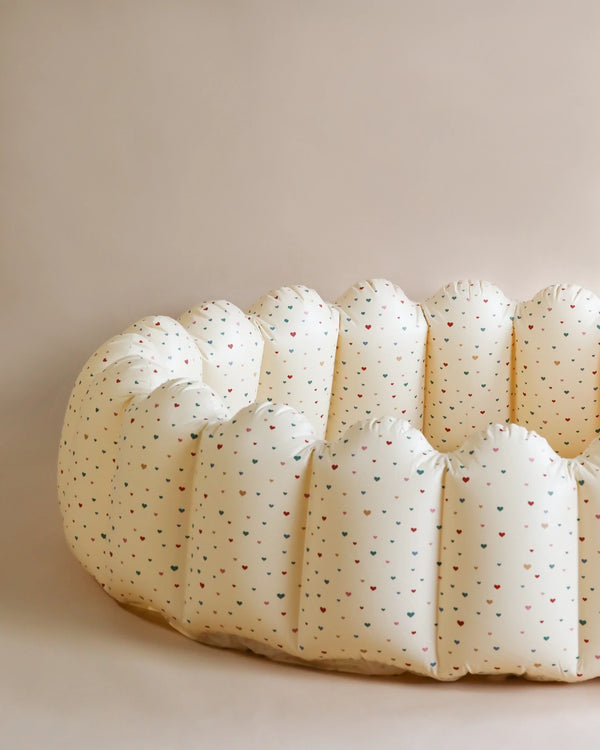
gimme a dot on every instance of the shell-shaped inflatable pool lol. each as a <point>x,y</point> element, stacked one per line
<point>373,485</point>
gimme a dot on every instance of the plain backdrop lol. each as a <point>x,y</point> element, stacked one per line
<point>158,154</point>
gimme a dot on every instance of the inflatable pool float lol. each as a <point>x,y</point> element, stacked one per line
<point>373,485</point>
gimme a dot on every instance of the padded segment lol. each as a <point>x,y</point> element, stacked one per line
<point>508,589</point>
<point>247,527</point>
<point>173,347</point>
<point>134,363</point>
<point>380,360</point>
<point>372,542</point>
<point>149,515</point>
<point>557,337</point>
<point>74,445</point>
<point>231,348</point>
<point>89,451</point>
<point>300,333</point>
<point>469,354</point>
<point>125,346</point>
<point>587,474</point>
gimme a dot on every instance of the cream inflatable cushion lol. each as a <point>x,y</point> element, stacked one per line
<point>373,485</point>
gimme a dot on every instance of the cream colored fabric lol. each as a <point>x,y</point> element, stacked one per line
<point>380,360</point>
<point>300,338</point>
<point>469,362</point>
<point>195,478</point>
<point>247,526</point>
<point>369,589</point>
<point>556,367</point>
<point>508,592</point>
<point>231,348</point>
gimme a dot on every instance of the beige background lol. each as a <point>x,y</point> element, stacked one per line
<point>155,154</point>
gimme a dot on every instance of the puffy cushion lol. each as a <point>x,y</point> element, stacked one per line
<point>373,485</point>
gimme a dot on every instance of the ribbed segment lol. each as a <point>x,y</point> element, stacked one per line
<point>380,359</point>
<point>231,348</point>
<point>557,342</point>
<point>149,513</point>
<point>372,540</point>
<point>89,452</point>
<point>134,363</point>
<point>247,526</point>
<point>300,337</point>
<point>170,346</point>
<point>508,592</point>
<point>587,475</point>
<point>469,355</point>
